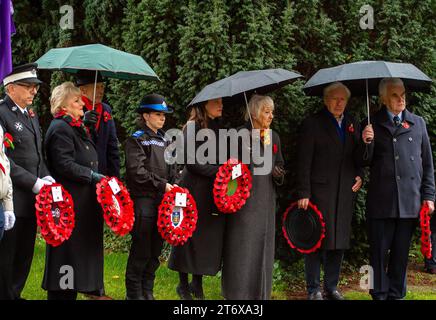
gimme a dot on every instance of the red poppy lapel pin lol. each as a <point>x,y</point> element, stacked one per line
<point>31,113</point>
<point>106,116</point>
<point>275,148</point>
<point>351,128</point>
<point>406,125</point>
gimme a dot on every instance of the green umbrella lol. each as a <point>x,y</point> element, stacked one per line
<point>109,62</point>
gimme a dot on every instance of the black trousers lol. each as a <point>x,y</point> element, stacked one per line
<point>16,254</point>
<point>389,244</point>
<point>143,258</point>
<point>331,260</point>
<point>431,263</point>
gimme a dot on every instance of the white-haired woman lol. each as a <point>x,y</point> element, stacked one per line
<point>72,160</point>
<point>249,237</point>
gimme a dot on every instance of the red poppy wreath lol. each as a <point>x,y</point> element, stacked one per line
<point>116,204</point>
<point>304,230</point>
<point>176,224</point>
<point>425,231</point>
<point>230,194</point>
<point>55,217</point>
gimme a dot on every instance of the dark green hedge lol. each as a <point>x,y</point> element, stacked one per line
<point>192,43</point>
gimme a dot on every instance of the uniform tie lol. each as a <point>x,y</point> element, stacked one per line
<point>397,121</point>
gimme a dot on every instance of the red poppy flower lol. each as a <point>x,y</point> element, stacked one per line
<point>351,128</point>
<point>230,195</point>
<point>31,113</point>
<point>177,226</point>
<point>8,141</point>
<point>117,208</point>
<point>275,148</point>
<point>55,219</point>
<point>106,116</point>
<point>406,125</point>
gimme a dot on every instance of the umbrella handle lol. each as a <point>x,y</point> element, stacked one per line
<point>95,88</point>
<point>367,108</point>
<point>248,110</point>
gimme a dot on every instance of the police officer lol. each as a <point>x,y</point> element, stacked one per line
<point>28,172</point>
<point>401,180</point>
<point>148,177</point>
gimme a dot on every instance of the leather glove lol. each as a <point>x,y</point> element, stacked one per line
<point>49,179</point>
<point>96,177</point>
<point>278,171</point>
<point>9,220</point>
<point>39,184</point>
<point>90,118</point>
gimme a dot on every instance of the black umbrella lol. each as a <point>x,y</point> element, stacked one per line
<point>243,82</point>
<point>363,78</point>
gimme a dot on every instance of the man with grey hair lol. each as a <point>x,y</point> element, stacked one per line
<point>328,174</point>
<point>401,180</point>
<point>28,173</point>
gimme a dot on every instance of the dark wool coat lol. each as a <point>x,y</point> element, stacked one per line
<point>326,172</point>
<point>71,156</point>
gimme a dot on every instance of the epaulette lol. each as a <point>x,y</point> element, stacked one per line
<point>138,133</point>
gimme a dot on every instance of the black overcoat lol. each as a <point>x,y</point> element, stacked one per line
<point>326,172</point>
<point>201,254</point>
<point>71,156</point>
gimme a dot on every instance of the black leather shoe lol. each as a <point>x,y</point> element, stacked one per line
<point>335,295</point>
<point>148,295</point>
<point>184,293</point>
<point>135,298</point>
<point>315,296</point>
<point>197,291</point>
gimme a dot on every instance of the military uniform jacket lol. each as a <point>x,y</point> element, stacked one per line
<point>401,167</point>
<point>147,173</point>
<point>26,159</point>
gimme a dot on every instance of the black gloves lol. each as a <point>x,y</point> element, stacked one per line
<point>90,118</point>
<point>96,177</point>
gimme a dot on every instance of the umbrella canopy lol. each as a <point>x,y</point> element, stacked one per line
<point>260,81</point>
<point>354,76</point>
<point>109,62</point>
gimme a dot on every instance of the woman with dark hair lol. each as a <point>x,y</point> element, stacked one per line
<point>202,254</point>
<point>72,159</point>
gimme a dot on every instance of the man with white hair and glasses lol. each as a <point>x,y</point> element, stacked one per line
<point>401,181</point>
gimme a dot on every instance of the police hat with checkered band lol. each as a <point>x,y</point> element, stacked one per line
<point>25,73</point>
<point>153,102</point>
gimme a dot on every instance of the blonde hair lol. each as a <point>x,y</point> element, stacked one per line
<point>256,103</point>
<point>60,94</point>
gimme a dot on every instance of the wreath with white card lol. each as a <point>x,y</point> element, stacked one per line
<point>232,186</point>
<point>54,214</point>
<point>116,204</point>
<point>177,216</point>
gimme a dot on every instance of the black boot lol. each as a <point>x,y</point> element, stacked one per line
<point>184,292</point>
<point>147,286</point>
<point>196,287</point>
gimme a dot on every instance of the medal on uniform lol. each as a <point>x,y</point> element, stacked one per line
<point>18,126</point>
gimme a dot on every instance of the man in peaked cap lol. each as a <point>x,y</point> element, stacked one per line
<point>98,119</point>
<point>28,173</point>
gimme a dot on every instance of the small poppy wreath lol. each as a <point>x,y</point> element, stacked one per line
<point>177,224</point>
<point>230,195</point>
<point>55,219</point>
<point>425,231</point>
<point>322,236</point>
<point>117,208</point>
